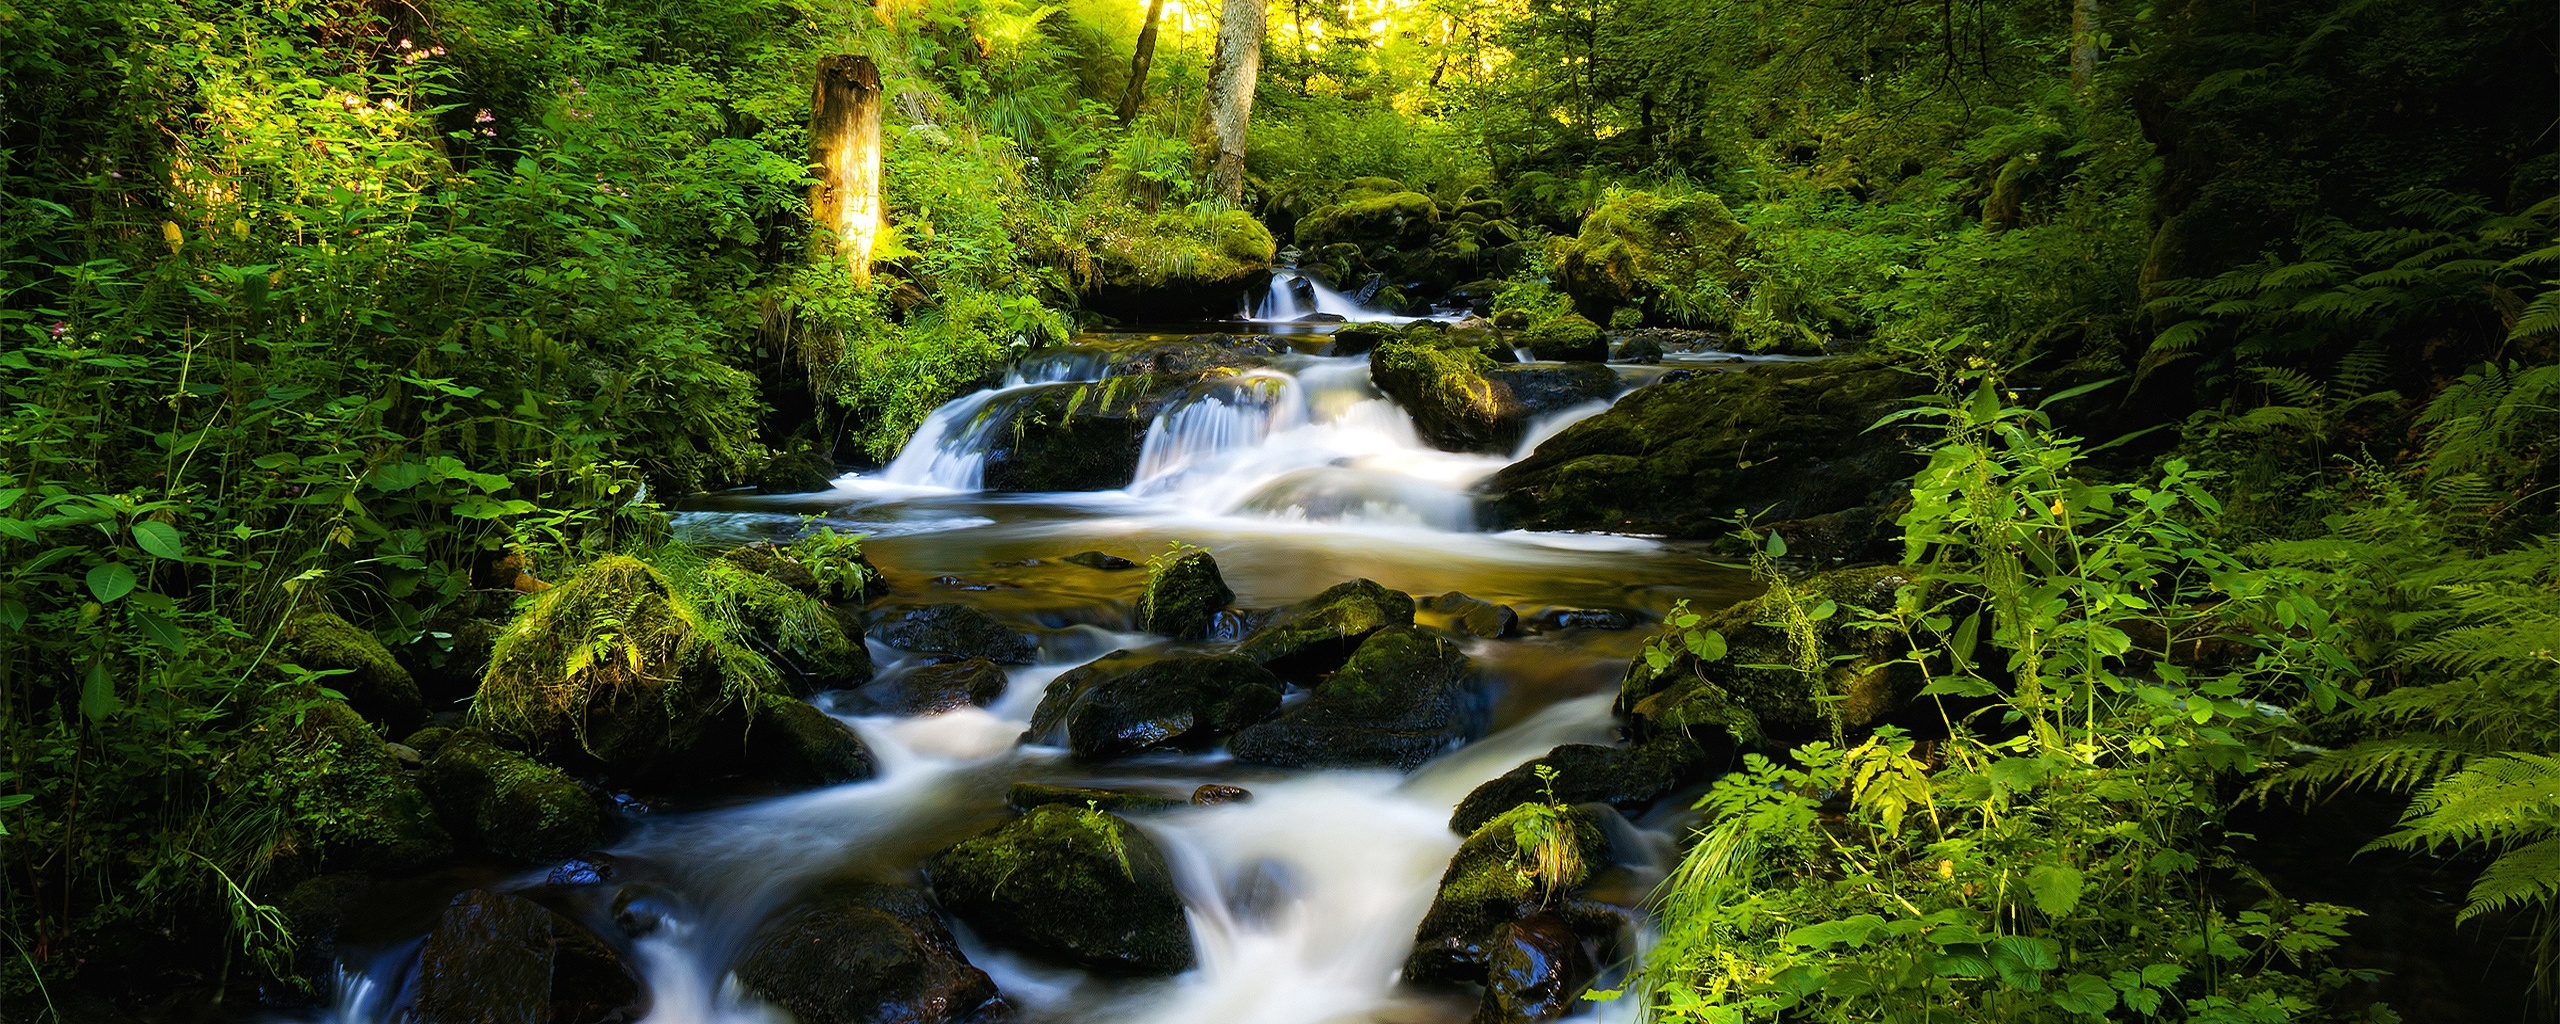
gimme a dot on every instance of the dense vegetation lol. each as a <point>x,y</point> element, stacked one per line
<point>332,325</point>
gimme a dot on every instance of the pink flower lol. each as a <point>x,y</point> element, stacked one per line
<point>483,117</point>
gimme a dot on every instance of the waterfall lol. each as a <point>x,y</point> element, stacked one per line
<point>1292,296</point>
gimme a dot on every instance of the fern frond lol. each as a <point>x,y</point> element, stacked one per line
<point>2522,876</point>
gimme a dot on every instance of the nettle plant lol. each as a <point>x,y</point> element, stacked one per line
<point>2054,849</point>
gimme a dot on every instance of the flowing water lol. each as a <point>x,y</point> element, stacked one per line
<point>1302,902</point>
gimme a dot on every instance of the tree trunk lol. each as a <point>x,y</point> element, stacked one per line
<point>2084,44</point>
<point>1136,94</point>
<point>844,149</point>
<point>1232,72</point>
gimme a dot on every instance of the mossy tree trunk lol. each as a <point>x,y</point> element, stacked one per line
<point>1136,94</point>
<point>1232,72</point>
<point>844,148</point>
<point>2084,44</point>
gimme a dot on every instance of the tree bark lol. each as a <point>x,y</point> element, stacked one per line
<point>1136,94</point>
<point>844,150</point>
<point>1232,72</point>
<point>2084,44</point>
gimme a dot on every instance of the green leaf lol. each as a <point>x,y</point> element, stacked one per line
<point>1852,931</point>
<point>162,631</point>
<point>159,538</point>
<point>110,581</point>
<point>16,528</point>
<point>13,614</point>
<point>2056,888</point>
<point>396,477</point>
<point>98,695</point>
<point>2086,995</point>
<point>2022,960</point>
<point>1777,545</point>
<point>2016,774</point>
<point>1706,644</point>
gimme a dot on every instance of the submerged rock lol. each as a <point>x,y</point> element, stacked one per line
<point>1027,795</point>
<point>499,959</point>
<point>1316,635</point>
<point>376,684</point>
<point>1404,697</point>
<point>944,686</point>
<point>1211,794</point>
<point>1627,778</point>
<point>1754,694</point>
<point>1473,616</point>
<point>511,804</point>
<point>1073,884</point>
<point>1123,703</point>
<point>955,630</point>
<point>1100,560</point>
<point>1537,972</point>
<point>1785,442</point>
<point>856,953</point>
<point>1184,597</point>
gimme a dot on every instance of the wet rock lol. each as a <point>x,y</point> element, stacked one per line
<point>1568,338</point>
<point>1075,437</point>
<point>1538,969</point>
<point>1754,695</point>
<point>1640,347</point>
<point>959,583</point>
<point>1397,220</point>
<point>499,959</point>
<point>1472,616</point>
<point>1027,795</point>
<point>376,684</point>
<point>955,630</point>
<point>1359,339</point>
<point>1627,778</point>
<point>510,804</point>
<point>1404,697</point>
<point>791,742</point>
<point>315,911</point>
<point>1123,704</point>
<point>1099,560</point>
<point>866,954</point>
<point>796,472</point>
<point>1638,247</point>
<point>594,869</point>
<point>1492,881</point>
<point>941,687</point>
<point>347,802</point>
<point>1073,884</point>
<point>1461,401</point>
<point>1581,618</point>
<point>1786,442</point>
<point>1316,635</point>
<point>1211,794</point>
<point>1183,597</point>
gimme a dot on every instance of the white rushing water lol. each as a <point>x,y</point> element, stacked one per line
<point>1292,297</point>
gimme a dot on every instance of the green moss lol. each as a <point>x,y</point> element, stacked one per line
<point>1493,880</point>
<point>1453,402</point>
<point>1395,219</point>
<point>1678,254</point>
<point>810,642</point>
<point>510,803</point>
<point>1567,337</point>
<point>375,683</point>
<point>1317,634</point>
<point>1184,595</point>
<point>1133,249</point>
<point>1027,795</point>
<point>1073,883</point>
<point>338,797</point>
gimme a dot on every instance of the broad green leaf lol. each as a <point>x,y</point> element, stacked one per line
<point>396,477</point>
<point>110,581</point>
<point>1777,545</point>
<point>159,538</point>
<point>2086,995</point>
<point>98,695</point>
<point>1706,644</point>
<point>1852,931</point>
<point>2022,960</point>
<point>13,614</point>
<point>2056,888</point>
<point>162,631</point>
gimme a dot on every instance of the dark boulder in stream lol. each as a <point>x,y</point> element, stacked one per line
<point>1627,778</point>
<point>1493,883</point>
<point>1074,437</point>
<point>1405,696</point>
<point>1123,703</point>
<point>1316,635</point>
<point>789,741</point>
<point>1462,402</point>
<point>796,472</point>
<point>856,953</point>
<point>1071,883</point>
<point>1472,616</point>
<point>1184,596</point>
<point>500,959</point>
<point>508,803</point>
<point>955,630</point>
<point>944,686</point>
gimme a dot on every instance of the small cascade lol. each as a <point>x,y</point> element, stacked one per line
<point>1293,296</point>
<point>1218,417</point>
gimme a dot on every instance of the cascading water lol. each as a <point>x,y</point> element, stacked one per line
<point>1293,297</point>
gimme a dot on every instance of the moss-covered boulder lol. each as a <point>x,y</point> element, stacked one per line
<point>1401,220</point>
<point>1358,339</point>
<point>376,684</point>
<point>800,471</point>
<point>825,565</point>
<point>1073,437</point>
<point>1568,338</point>
<point>1756,694</point>
<point>1124,703</point>
<point>807,642</point>
<point>1628,778</point>
<point>508,803</point>
<point>1024,796</point>
<point>1317,635</point>
<point>1495,880</point>
<point>495,958</point>
<point>1100,561</point>
<point>1783,443</point>
<point>1184,595</point>
<point>944,686</point>
<point>789,741</point>
<point>1638,247</point>
<point>1405,696</point>
<point>1471,616</point>
<point>864,953</point>
<point>1461,401</point>
<point>346,802</point>
<point>1072,884</point>
<point>957,631</point>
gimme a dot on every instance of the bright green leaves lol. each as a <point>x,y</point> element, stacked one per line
<point>2056,888</point>
<point>1681,633</point>
<point>160,539</point>
<point>98,693</point>
<point>110,581</point>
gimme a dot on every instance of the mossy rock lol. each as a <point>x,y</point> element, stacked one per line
<point>1100,561</point>
<point>495,958</point>
<point>376,684</point>
<point>1026,795</point>
<point>1075,437</point>
<point>806,641</point>
<point>1752,697</point>
<point>1567,338</point>
<point>1641,348</point>
<point>1183,597</point>
<point>1638,247</point>
<point>1782,442</point>
<point>1359,339</point>
<point>957,631</point>
<point>796,472</point>
<point>449,657</point>
<point>1628,778</point>
<point>1393,219</point>
<point>791,742</point>
<point>345,800</point>
<point>1403,698</point>
<point>1317,635</point>
<point>316,911</point>
<point>1122,704</point>
<point>1072,884</point>
<point>864,953</point>
<point>1491,883</point>
<point>1461,401</point>
<point>511,804</point>
<point>948,685</point>
<point>1471,616</point>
